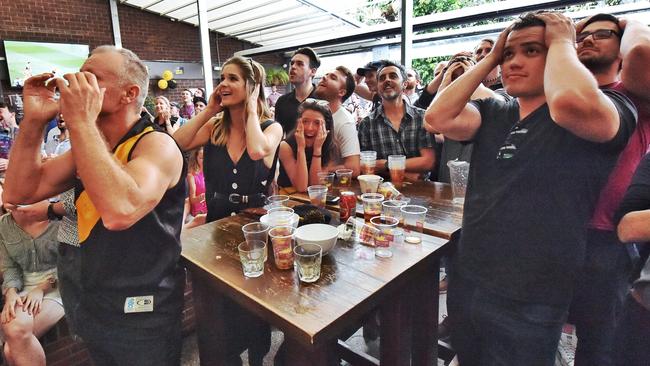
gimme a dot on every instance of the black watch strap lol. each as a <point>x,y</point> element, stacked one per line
<point>51,214</point>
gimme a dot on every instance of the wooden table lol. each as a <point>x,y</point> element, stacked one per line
<point>444,218</point>
<point>314,316</point>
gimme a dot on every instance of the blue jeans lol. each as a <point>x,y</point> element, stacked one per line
<point>633,335</point>
<point>488,329</point>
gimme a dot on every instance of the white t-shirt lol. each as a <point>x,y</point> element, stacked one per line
<point>345,141</point>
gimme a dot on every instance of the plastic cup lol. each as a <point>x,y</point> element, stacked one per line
<point>369,183</point>
<point>257,231</point>
<point>413,217</point>
<point>385,236</point>
<point>282,241</point>
<point>317,195</point>
<point>251,254</point>
<point>371,205</point>
<point>458,172</point>
<point>277,200</point>
<point>308,261</point>
<point>397,168</point>
<point>392,208</point>
<point>344,177</point>
<point>368,160</point>
<point>326,179</point>
<point>280,216</point>
<point>362,232</point>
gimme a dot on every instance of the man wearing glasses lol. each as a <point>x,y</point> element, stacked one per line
<point>538,164</point>
<point>396,127</point>
<point>603,42</point>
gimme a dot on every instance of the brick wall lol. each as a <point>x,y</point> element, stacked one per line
<point>149,35</point>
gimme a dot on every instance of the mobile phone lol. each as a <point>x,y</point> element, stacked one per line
<point>331,199</point>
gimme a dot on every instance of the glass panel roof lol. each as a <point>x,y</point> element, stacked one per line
<point>265,22</point>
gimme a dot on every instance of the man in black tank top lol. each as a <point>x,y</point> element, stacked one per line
<point>122,288</point>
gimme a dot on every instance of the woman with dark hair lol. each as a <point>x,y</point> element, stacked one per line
<point>307,150</point>
<point>240,143</point>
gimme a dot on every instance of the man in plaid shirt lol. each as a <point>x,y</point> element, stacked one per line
<point>395,127</point>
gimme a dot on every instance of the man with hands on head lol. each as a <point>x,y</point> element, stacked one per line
<point>617,52</point>
<point>538,163</point>
<point>123,287</point>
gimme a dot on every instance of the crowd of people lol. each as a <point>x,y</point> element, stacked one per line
<point>553,116</point>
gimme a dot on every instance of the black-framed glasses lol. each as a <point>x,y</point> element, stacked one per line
<point>597,34</point>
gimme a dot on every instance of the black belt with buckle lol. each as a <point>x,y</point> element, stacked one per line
<point>241,199</point>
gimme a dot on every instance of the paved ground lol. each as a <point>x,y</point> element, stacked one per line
<point>190,356</point>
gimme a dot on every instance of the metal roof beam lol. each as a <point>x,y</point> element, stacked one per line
<point>211,9</point>
<point>271,25</point>
<point>445,19</point>
<point>221,27</point>
<point>240,11</point>
<point>185,5</point>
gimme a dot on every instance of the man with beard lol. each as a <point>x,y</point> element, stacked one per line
<point>58,139</point>
<point>336,87</point>
<point>395,127</point>
<point>538,163</point>
<point>603,43</point>
<point>304,64</point>
<point>412,83</point>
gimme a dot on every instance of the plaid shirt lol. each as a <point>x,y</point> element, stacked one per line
<point>377,133</point>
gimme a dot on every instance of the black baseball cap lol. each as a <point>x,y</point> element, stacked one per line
<point>370,66</point>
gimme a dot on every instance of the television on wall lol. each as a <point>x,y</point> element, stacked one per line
<point>25,59</point>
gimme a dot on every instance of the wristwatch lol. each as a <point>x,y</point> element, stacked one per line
<point>51,215</point>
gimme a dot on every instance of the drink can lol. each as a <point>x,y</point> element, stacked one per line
<point>348,205</point>
<point>389,191</point>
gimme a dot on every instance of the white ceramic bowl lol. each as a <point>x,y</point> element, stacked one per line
<point>294,220</point>
<point>321,234</point>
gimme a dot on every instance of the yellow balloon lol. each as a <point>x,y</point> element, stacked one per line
<point>162,84</point>
<point>167,75</point>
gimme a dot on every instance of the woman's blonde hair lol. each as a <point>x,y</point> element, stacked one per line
<point>254,74</point>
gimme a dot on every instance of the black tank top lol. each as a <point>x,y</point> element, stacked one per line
<point>139,261</point>
<point>223,176</point>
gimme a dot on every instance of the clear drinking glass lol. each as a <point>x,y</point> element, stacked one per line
<point>251,254</point>
<point>277,200</point>
<point>308,261</point>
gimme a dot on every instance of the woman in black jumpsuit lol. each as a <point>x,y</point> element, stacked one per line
<point>240,152</point>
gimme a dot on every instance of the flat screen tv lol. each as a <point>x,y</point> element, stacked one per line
<point>25,59</point>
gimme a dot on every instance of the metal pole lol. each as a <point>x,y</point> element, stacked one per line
<point>407,32</point>
<point>205,45</point>
<point>115,21</point>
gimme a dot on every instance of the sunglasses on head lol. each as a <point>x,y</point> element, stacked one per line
<point>319,102</point>
<point>597,34</point>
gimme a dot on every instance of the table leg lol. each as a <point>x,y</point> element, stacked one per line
<point>425,318</point>
<point>395,330</point>
<point>295,354</point>
<point>208,305</point>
